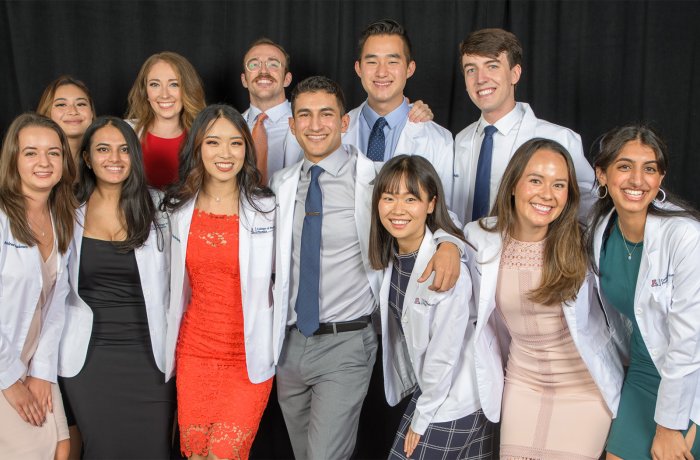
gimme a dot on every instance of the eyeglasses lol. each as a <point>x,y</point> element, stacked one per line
<point>256,64</point>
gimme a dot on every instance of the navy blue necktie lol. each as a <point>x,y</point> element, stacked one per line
<point>375,146</point>
<point>482,186</point>
<point>310,259</point>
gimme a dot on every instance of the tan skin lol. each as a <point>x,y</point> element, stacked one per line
<point>319,114</point>
<point>40,167</point>
<point>633,181</point>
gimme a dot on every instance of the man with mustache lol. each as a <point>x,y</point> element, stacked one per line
<point>265,76</point>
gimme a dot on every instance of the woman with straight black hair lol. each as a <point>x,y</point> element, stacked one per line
<point>219,340</point>
<point>112,349</point>
<point>645,247</point>
<point>427,336</point>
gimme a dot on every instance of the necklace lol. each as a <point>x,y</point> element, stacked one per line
<point>36,228</point>
<point>218,198</point>
<point>624,241</point>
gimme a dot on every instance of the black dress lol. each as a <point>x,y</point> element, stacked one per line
<point>121,404</point>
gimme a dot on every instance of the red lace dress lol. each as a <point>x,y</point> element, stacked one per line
<point>219,409</point>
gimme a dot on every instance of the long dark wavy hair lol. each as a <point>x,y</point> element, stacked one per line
<point>13,201</point>
<point>138,212</point>
<point>564,266</point>
<point>192,173</point>
<point>418,174</point>
<point>605,152</point>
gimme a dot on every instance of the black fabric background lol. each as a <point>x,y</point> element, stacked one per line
<point>588,65</point>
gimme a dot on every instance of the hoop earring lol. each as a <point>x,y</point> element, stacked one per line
<point>596,191</point>
<point>662,199</point>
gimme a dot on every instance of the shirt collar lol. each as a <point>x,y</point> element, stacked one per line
<point>274,113</point>
<point>505,123</point>
<point>331,164</point>
<point>393,118</point>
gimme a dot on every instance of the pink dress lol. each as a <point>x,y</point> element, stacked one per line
<point>552,408</point>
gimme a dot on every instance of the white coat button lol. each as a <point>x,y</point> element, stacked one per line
<point>146,292</point>
<point>653,352</point>
<point>639,311</point>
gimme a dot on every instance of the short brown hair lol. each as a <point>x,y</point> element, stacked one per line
<point>491,43</point>
<point>46,100</point>
<point>267,41</point>
<point>192,92</point>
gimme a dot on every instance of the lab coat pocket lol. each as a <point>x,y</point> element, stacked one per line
<point>261,254</point>
<point>419,324</point>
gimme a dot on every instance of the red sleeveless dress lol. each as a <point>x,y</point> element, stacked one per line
<point>219,409</point>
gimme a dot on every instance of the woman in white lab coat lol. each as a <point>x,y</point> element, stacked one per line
<point>546,359</point>
<point>112,349</point>
<point>645,246</point>
<point>220,317</point>
<point>427,336</point>
<point>36,225</point>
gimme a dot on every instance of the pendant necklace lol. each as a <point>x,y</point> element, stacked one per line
<point>624,241</point>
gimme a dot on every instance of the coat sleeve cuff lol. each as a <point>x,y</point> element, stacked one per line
<point>11,374</point>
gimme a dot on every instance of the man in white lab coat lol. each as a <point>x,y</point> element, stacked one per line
<point>380,127</point>
<point>491,64</point>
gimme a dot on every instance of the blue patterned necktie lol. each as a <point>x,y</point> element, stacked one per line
<point>482,186</point>
<point>310,259</point>
<point>375,146</point>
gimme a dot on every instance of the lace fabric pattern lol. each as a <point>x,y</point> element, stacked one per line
<point>552,408</point>
<point>219,409</point>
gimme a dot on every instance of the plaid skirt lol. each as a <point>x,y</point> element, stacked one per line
<point>470,437</point>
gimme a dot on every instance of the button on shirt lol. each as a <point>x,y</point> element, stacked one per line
<point>344,291</point>
<point>396,120</point>
<point>277,127</point>
<point>503,143</point>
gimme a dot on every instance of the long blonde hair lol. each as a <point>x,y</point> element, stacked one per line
<point>192,92</point>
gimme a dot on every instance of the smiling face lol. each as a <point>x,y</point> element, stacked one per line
<point>404,215</point>
<point>383,69</point>
<point>318,124</point>
<point>39,160</point>
<point>540,195</point>
<point>71,110</point>
<point>109,157</point>
<point>633,179</point>
<point>265,75</point>
<point>163,91</point>
<point>223,151</point>
<point>491,84</point>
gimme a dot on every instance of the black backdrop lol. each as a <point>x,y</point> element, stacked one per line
<point>587,65</point>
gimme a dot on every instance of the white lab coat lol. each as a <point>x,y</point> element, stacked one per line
<point>256,236</point>
<point>427,139</point>
<point>284,183</point>
<point>595,332</point>
<point>439,337</point>
<point>20,288</point>
<point>667,310</point>
<point>154,272</point>
<point>467,146</point>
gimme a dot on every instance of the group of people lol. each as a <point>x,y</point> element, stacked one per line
<point>562,321</point>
